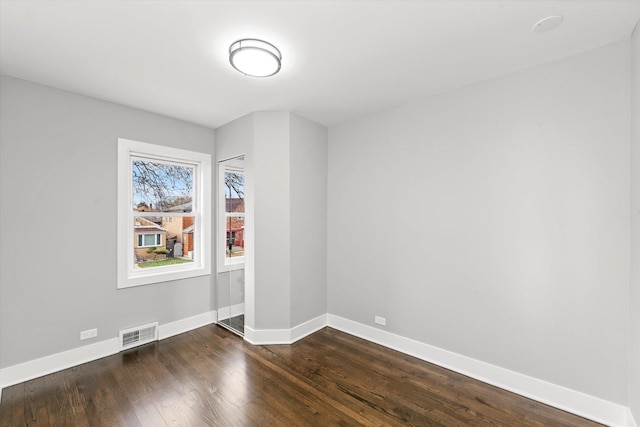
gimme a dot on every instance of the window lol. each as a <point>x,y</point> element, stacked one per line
<point>231,213</point>
<point>164,213</point>
<point>147,240</point>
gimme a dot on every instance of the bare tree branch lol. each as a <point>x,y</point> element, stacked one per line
<point>163,185</point>
<point>235,184</point>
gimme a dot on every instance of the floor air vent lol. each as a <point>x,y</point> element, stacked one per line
<point>139,335</point>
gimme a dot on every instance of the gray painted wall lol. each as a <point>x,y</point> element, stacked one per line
<point>634,300</point>
<point>493,221</point>
<point>308,163</point>
<point>285,253</point>
<point>58,221</point>
<point>272,220</point>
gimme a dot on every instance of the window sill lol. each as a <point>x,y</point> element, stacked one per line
<point>161,276</point>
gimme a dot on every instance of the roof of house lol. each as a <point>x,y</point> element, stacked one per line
<point>185,207</point>
<point>142,224</point>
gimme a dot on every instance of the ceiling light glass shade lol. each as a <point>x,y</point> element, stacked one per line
<point>255,58</point>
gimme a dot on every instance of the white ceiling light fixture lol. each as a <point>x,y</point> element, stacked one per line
<point>255,58</point>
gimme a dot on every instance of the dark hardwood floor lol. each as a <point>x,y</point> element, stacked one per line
<point>210,377</point>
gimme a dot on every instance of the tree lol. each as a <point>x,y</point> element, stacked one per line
<point>235,184</point>
<point>161,184</point>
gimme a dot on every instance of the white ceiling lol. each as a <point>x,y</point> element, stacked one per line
<point>341,59</point>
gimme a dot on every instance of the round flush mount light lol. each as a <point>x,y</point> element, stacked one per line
<point>256,58</point>
<point>547,24</point>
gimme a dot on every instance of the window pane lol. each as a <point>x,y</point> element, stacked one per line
<point>163,241</point>
<point>180,232</point>
<point>234,191</point>
<point>235,237</point>
<point>149,240</point>
<point>161,187</point>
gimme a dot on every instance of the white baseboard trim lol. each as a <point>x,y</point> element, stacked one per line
<point>308,327</point>
<point>573,401</point>
<point>56,362</point>
<point>267,336</point>
<point>185,325</point>
<point>284,336</point>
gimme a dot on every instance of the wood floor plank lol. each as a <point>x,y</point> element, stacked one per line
<point>363,381</point>
<point>210,377</point>
<point>9,413</point>
<point>336,374</point>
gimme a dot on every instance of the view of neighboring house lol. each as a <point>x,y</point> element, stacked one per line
<point>177,232</point>
<point>147,234</point>
<point>180,229</point>
<point>235,226</point>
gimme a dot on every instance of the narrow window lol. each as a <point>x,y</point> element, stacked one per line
<point>231,232</point>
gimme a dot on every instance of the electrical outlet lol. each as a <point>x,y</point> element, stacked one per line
<point>381,321</point>
<point>89,333</point>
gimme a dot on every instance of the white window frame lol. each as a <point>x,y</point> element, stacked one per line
<point>157,239</point>
<point>224,263</point>
<point>127,275</point>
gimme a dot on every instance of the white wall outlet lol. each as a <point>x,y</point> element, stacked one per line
<point>381,321</point>
<point>89,333</point>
